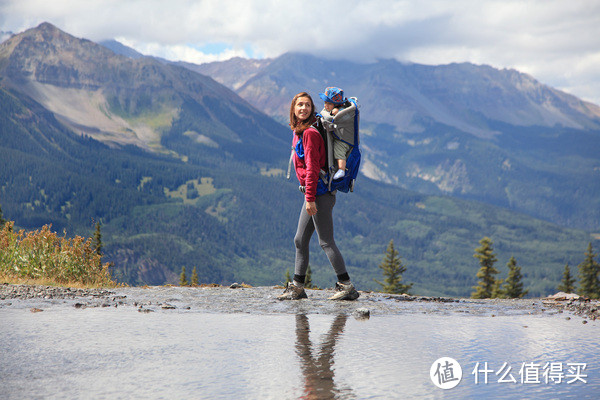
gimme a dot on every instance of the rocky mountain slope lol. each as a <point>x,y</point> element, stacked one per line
<point>470,131</point>
<point>463,95</point>
<point>120,100</point>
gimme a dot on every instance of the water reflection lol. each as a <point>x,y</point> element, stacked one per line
<point>120,353</point>
<point>317,369</point>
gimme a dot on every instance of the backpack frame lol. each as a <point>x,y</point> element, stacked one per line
<point>328,131</point>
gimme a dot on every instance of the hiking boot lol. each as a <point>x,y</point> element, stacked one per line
<point>292,292</point>
<point>344,292</point>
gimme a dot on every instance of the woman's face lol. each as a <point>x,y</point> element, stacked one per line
<point>303,108</point>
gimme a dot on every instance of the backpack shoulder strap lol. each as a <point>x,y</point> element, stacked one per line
<point>318,125</point>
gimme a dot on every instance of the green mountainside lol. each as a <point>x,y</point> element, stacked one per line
<point>210,193</point>
<point>235,222</point>
<point>469,131</point>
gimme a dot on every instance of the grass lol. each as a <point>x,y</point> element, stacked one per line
<point>190,191</point>
<point>272,172</point>
<point>43,257</point>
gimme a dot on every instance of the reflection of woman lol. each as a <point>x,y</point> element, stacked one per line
<point>318,372</point>
<point>316,212</point>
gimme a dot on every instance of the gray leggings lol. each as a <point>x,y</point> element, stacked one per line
<point>322,221</point>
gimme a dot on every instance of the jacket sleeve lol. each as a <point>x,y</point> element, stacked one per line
<point>313,142</point>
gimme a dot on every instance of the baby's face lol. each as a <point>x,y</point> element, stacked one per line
<point>329,106</point>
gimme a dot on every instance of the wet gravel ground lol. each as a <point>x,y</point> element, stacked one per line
<point>262,300</point>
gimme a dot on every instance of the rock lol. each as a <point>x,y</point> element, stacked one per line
<point>166,306</point>
<point>562,296</point>
<point>145,310</point>
<point>235,285</point>
<point>36,310</point>
<point>362,314</point>
<point>48,292</point>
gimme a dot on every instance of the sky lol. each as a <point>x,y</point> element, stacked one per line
<point>555,41</point>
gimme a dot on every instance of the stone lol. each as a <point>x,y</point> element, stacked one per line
<point>362,314</point>
<point>562,296</point>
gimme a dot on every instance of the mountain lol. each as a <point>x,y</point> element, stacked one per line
<point>233,73</point>
<point>464,96</point>
<point>181,171</point>
<point>89,134</point>
<point>119,48</point>
<point>119,100</point>
<point>474,132</point>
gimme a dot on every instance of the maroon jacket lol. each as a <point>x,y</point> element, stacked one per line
<point>315,159</point>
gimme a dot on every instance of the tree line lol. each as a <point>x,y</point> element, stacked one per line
<point>489,286</point>
<point>512,287</point>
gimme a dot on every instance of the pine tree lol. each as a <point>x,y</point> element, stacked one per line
<point>498,290</point>
<point>182,279</point>
<point>589,286</point>
<point>2,220</point>
<point>487,258</point>
<point>392,271</point>
<point>195,278</point>
<point>513,286</point>
<point>567,284</point>
<point>97,240</point>
<point>288,277</point>
<point>308,280</point>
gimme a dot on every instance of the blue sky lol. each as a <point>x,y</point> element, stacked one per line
<point>556,41</point>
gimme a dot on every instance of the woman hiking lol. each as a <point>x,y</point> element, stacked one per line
<point>316,213</point>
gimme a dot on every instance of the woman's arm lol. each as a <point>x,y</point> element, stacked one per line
<point>313,149</point>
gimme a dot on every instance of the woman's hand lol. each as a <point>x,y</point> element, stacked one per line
<point>311,208</point>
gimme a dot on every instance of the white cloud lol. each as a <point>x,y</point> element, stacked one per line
<point>556,41</point>
<point>181,52</point>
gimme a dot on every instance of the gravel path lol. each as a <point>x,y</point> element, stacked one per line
<point>262,300</point>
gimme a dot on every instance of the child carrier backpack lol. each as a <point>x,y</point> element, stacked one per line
<point>345,127</point>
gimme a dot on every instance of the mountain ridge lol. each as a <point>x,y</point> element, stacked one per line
<point>469,131</point>
<point>415,79</point>
<point>128,101</point>
<point>215,198</point>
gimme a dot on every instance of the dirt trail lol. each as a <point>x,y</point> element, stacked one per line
<point>262,300</point>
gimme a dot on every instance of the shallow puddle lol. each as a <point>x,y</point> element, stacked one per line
<point>98,353</point>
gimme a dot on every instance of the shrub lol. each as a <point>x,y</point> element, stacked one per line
<point>44,255</point>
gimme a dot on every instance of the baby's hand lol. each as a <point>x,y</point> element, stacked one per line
<point>334,111</point>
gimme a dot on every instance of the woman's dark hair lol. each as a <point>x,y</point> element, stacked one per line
<point>300,126</point>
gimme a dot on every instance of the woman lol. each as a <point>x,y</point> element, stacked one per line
<point>316,212</point>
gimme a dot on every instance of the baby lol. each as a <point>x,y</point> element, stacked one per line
<point>334,103</point>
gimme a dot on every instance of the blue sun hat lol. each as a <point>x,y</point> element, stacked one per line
<point>333,95</point>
